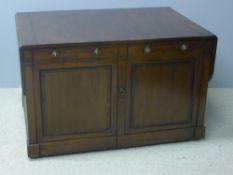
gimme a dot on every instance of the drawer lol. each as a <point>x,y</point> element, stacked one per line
<point>165,50</point>
<point>69,54</point>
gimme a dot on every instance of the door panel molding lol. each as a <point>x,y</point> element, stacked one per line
<point>109,71</point>
<point>190,120</point>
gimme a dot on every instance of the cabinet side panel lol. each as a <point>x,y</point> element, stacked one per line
<point>29,105</point>
<point>213,48</point>
<point>205,71</point>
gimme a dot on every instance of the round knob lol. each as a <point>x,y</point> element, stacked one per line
<point>97,51</point>
<point>184,47</point>
<point>55,54</point>
<point>147,49</point>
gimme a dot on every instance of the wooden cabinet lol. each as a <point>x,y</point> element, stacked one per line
<point>93,86</point>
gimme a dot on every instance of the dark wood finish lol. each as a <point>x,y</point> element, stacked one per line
<point>149,138</point>
<point>60,27</point>
<point>76,145</point>
<point>30,116</point>
<point>33,150</point>
<point>43,56</point>
<point>105,79</point>
<point>165,50</point>
<point>66,93</point>
<point>170,94</point>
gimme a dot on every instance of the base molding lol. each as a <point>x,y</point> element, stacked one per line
<point>33,150</point>
<point>200,132</point>
<point>158,137</point>
<point>106,143</point>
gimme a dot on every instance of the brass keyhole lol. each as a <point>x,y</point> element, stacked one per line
<point>122,92</point>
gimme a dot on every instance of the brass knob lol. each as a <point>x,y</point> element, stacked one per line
<point>97,51</point>
<point>147,49</point>
<point>55,54</point>
<point>184,47</point>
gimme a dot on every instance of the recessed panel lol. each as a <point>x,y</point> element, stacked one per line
<point>76,101</point>
<point>161,94</point>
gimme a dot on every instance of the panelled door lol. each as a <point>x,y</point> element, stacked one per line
<point>161,87</point>
<point>76,98</point>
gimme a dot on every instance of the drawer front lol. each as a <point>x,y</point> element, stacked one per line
<point>71,54</point>
<point>165,50</point>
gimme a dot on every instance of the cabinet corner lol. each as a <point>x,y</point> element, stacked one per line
<point>33,151</point>
<point>199,133</point>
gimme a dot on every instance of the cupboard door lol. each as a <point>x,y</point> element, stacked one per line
<point>162,95</point>
<point>77,102</point>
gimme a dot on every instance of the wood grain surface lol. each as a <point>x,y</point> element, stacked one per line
<point>109,25</point>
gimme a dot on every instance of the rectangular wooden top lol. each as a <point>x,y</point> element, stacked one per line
<point>109,25</point>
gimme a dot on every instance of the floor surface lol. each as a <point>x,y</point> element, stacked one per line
<point>212,155</point>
